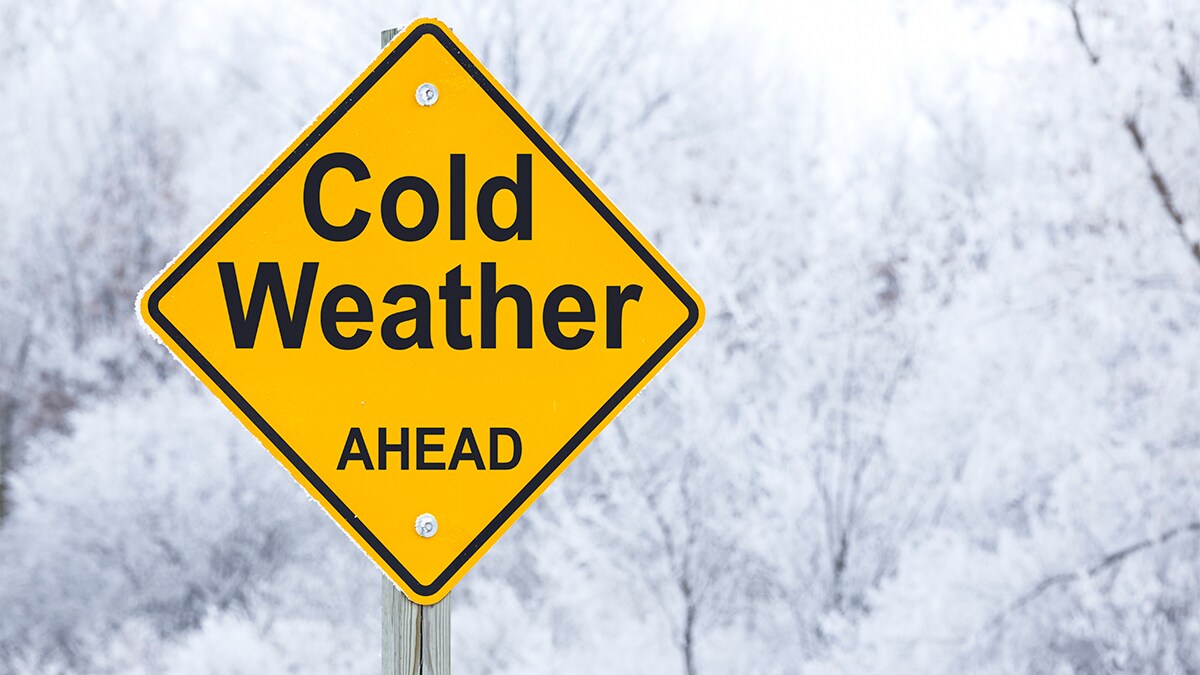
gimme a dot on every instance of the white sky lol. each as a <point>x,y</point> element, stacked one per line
<point>864,55</point>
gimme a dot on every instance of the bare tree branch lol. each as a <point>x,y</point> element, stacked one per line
<point>1074,8</point>
<point>1165,195</point>
<point>1108,561</point>
<point>1160,186</point>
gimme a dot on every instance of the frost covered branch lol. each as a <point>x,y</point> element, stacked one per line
<point>1160,186</point>
<point>1165,194</point>
<point>1092,55</point>
<point>1108,561</point>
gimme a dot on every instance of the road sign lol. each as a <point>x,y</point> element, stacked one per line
<point>424,309</point>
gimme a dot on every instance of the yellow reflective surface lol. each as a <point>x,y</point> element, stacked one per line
<point>303,402</point>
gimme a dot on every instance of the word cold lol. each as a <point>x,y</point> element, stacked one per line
<point>521,189</point>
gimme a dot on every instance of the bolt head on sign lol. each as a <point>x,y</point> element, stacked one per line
<point>424,309</point>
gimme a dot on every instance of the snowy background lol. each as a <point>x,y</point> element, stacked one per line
<point>942,417</point>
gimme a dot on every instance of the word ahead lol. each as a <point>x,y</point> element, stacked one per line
<point>428,448</point>
<point>567,311</point>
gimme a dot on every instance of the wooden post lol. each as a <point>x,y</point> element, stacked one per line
<point>416,638</point>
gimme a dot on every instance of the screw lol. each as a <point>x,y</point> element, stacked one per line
<point>426,525</point>
<point>427,94</point>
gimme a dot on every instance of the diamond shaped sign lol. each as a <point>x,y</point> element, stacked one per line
<point>424,309</point>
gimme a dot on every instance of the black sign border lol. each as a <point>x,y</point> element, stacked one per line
<point>156,295</point>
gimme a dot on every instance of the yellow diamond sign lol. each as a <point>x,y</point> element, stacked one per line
<point>424,309</point>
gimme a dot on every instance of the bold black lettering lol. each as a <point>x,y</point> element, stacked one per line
<point>615,304</point>
<point>353,439</point>
<point>423,447</point>
<point>267,280</point>
<point>419,337</point>
<point>522,190</point>
<point>489,301</point>
<point>331,316</point>
<point>453,292</point>
<point>458,197</point>
<point>312,196</point>
<point>467,439</point>
<point>494,450</point>
<point>429,208</point>
<point>401,447</point>
<point>553,315</point>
